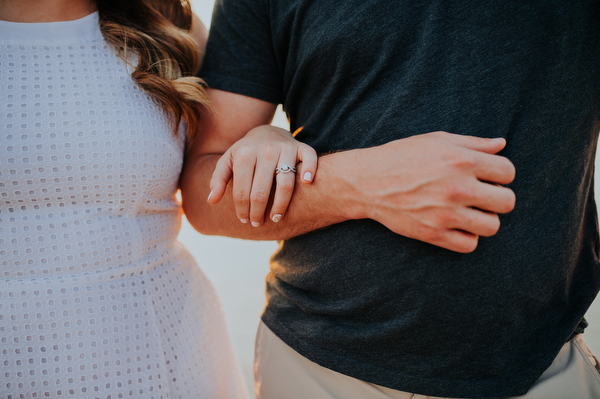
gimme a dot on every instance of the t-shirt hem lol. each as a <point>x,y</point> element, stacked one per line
<point>243,87</point>
<point>466,389</point>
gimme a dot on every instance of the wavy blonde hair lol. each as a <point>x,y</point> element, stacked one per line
<point>158,32</point>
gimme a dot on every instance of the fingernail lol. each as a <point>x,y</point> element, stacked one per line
<point>244,220</point>
<point>210,195</point>
<point>276,217</point>
<point>307,176</point>
<point>498,139</point>
<point>255,224</point>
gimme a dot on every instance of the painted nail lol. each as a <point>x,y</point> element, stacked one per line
<point>307,176</point>
<point>255,224</point>
<point>276,217</point>
<point>244,220</point>
<point>210,195</point>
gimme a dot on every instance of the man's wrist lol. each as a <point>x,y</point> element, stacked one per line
<point>339,172</point>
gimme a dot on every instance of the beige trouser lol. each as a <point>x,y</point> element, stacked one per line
<point>281,373</point>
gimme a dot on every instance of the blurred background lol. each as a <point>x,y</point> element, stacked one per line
<point>238,268</point>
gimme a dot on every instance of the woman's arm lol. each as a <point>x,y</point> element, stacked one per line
<point>233,117</point>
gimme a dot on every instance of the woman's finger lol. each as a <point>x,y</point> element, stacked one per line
<point>220,178</point>
<point>308,156</point>
<point>262,184</point>
<point>286,180</point>
<point>244,163</point>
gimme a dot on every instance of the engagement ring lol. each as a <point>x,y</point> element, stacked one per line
<point>285,169</point>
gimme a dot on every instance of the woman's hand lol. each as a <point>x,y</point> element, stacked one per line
<point>252,162</point>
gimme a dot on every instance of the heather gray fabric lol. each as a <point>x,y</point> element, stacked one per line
<point>397,312</point>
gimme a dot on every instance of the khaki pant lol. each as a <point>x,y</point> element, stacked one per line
<point>281,373</point>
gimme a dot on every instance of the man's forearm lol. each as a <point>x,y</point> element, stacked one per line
<point>313,206</point>
<point>440,188</point>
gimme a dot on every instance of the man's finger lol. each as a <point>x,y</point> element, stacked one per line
<point>477,222</point>
<point>494,198</point>
<point>490,146</point>
<point>451,239</point>
<point>459,241</point>
<point>494,169</point>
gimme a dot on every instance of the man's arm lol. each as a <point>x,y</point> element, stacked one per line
<point>440,188</point>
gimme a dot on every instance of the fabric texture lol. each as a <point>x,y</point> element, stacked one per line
<point>97,298</point>
<point>281,372</point>
<point>397,312</point>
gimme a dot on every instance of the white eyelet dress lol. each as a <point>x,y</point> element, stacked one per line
<point>97,298</point>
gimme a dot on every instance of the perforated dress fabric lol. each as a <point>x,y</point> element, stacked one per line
<point>97,297</point>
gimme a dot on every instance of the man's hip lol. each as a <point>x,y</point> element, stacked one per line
<point>280,372</point>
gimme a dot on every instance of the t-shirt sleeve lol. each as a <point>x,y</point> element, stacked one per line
<point>240,57</point>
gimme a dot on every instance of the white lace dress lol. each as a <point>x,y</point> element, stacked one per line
<point>97,298</point>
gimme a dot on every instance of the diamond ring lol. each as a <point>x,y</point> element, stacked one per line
<point>285,169</point>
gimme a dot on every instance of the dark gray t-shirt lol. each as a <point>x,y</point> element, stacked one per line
<point>363,301</point>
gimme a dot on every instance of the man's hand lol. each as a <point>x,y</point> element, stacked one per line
<point>440,188</point>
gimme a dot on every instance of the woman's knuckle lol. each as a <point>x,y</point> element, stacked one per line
<point>245,154</point>
<point>240,197</point>
<point>270,151</point>
<point>259,196</point>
